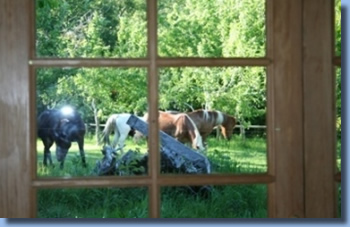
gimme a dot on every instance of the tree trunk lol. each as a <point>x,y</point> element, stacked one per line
<point>97,121</point>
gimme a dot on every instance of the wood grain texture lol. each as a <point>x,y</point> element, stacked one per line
<point>286,197</point>
<point>319,93</point>
<point>153,139</point>
<point>15,186</point>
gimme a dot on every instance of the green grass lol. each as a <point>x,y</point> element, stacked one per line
<point>239,201</point>
<point>93,203</point>
<point>234,156</point>
<point>238,155</point>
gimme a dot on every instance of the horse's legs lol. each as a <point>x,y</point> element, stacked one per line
<point>47,154</point>
<point>116,138</point>
<point>62,164</point>
<point>122,139</point>
<point>81,150</point>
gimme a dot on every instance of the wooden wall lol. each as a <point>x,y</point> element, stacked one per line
<point>15,178</point>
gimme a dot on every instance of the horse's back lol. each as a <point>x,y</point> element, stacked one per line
<point>51,120</point>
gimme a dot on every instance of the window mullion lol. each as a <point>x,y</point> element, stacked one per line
<point>153,138</point>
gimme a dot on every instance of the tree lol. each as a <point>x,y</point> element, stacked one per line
<point>109,28</point>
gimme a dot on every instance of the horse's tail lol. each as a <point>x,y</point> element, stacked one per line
<point>198,142</point>
<point>109,127</point>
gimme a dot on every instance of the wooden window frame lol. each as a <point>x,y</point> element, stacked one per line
<point>296,180</point>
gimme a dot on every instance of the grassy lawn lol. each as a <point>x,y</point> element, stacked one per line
<point>231,201</point>
<point>235,156</point>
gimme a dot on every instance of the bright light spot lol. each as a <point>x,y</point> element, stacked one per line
<point>67,110</point>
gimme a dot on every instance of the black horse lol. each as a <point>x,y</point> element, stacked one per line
<point>62,128</point>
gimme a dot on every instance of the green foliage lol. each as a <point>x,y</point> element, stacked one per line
<point>338,27</point>
<point>212,28</point>
<point>118,29</point>
<point>186,28</point>
<point>90,28</point>
<point>239,91</point>
<point>338,101</point>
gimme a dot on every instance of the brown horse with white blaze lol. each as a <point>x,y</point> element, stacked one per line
<point>206,120</point>
<point>181,127</point>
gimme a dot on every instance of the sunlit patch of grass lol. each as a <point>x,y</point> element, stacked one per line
<point>238,155</point>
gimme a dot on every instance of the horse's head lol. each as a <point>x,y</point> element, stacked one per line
<point>197,141</point>
<point>63,143</point>
<point>227,126</point>
<point>138,136</point>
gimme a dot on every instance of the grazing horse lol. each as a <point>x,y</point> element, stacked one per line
<point>206,120</point>
<point>62,127</point>
<point>117,123</point>
<point>181,127</point>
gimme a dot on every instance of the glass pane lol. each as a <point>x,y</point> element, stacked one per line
<point>227,106</point>
<point>89,28</point>
<point>211,28</point>
<point>93,203</point>
<point>338,112</point>
<point>96,95</point>
<point>241,201</point>
<point>338,27</point>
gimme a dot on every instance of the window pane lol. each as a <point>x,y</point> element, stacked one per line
<point>93,203</point>
<point>215,28</point>
<point>97,94</point>
<point>338,112</point>
<point>89,28</point>
<point>338,27</point>
<point>241,201</point>
<point>233,130</point>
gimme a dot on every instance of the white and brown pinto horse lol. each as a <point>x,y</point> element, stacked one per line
<point>181,127</point>
<point>206,120</point>
<point>117,123</point>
